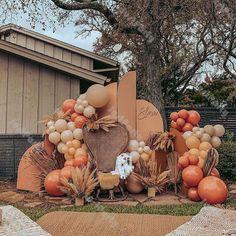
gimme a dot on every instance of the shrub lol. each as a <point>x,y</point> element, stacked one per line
<point>227,165</point>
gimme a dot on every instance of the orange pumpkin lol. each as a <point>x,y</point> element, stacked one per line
<point>66,172</point>
<point>192,175</point>
<point>80,121</point>
<point>193,195</point>
<point>81,160</point>
<point>183,114</point>
<point>174,116</point>
<point>52,183</point>
<point>68,105</point>
<point>212,190</point>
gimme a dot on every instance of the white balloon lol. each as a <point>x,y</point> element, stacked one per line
<point>140,150</point>
<point>195,129</point>
<point>83,96</point>
<point>142,144</point>
<point>79,101</point>
<point>54,137</point>
<point>187,134</point>
<point>61,125</point>
<point>51,129</point>
<point>146,149</point>
<point>85,103</point>
<point>133,145</point>
<point>89,111</point>
<point>78,134</point>
<point>66,136</point>
<point>50,123</point>
<point>135,156</point>
<point>71,126</point>
<point>79,108</point>
<point>59,147</point>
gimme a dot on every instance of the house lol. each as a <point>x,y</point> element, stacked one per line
<point>37,74</point>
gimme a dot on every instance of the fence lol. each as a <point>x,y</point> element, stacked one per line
<point>12,147</point>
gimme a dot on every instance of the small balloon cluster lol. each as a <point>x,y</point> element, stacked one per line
<point>200,140</point>
<point>138,149</point>
<point>185,120</point>
<point>197,187</point>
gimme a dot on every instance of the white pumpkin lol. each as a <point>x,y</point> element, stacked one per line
<point>219,130</point>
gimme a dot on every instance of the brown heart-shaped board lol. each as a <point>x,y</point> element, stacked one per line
<point>104,146</point>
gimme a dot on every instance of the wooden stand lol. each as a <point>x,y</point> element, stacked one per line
<point>79,201</point>
<point>151,192</point>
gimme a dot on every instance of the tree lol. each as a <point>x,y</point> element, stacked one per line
<point>168,40</point>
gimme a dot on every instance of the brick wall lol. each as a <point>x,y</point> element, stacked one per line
<point>12,148</point>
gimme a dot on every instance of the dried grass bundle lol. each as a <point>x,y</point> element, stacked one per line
<point>39,158</point>
<point>56,116</point>
<point>211,161</point>
<point>104,123</point>
<point>161,141</point>
<point>82,184</point>
<point>172,162</point>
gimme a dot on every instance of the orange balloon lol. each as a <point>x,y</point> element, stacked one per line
<point>184,161</point>
<point>52,183</point>
<point>69,163</point>
<point>81,161</point>
<point>183,114</point>
<point>66,172</point>
<point>80,121</point>
<point>212,190</point>
<point>174,116</point>
<point>215,173</point>
<point>174,125</point>
<point>73,116</point>
<point>180,122</point>
<point>192,175</point>
<point>193,194</point>
<point>194,118</point>
<point>68,105</point>
<point>187,127</point>
<point>193,159</point>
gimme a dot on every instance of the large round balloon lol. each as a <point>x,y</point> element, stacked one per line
<point>97,95</point>
<point>192,175</point>
<point>212,190</point>
<point>52,183</point>
<point>133,185</point>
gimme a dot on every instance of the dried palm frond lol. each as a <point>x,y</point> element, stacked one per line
<point>155,181</point>
<point>104,123</point>
<point>172,162</point>
<point>161,141</point>
<point>211,161</point>
<point>82,184</point>
<point>56,116</point>
<point>39,158</point>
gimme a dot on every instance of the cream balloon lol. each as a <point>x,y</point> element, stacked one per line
<point>66,136</point>
<point>71,126</point>
<point>78,134</point>
<point>64,149</point>
<point>69,144</point>
<point>145,156</point>
<point>140,150</point>
<point>71,151</point>
<point>89,111</point>
<point>59,147</point>
<point>79,108</point>
<point>84,103</point>
<point>79,101</point>
<point>79,152</point>
<point>83,96</point>
<point>135,156</point>
<point>97,95</point>
<point>199,134</point>
<point>142,144</point>
<point>215,142</point>
<point>187,134</point>
<point>50,123</point>
<point>195,129</point>
<point>146,149</point>
<point>51,129</point>
<point>76,143</point>
<point>133,145</point>
<point>209,129</point>
<point>54,137</point>
<point>61,125</point>
<point>219,130</point>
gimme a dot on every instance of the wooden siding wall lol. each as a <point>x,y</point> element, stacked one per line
<point>49,50</point>
<point>28,91</point>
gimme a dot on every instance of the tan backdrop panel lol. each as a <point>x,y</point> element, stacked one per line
<point>148,119</point>
<point>127,102</point>
<point>111,107</point>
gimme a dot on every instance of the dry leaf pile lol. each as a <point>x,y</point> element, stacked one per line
<point>161,141</point>
<point>82,184</point>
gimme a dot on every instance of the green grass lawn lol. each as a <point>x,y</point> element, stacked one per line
<point>177,210</point>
